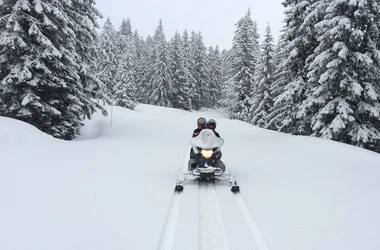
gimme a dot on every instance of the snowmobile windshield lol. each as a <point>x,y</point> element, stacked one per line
<point>207,140</point>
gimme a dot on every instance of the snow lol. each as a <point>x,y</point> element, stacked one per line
<point>370,91</point>
<point>11,130</point>
<point>112,188</point>
<point>38,8</point>
<point>26,100</point>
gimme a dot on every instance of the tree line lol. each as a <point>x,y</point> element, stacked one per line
<point>320,79</point>
<point>180,73</point>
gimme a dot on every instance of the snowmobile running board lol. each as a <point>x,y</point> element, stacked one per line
<point>196,175</point>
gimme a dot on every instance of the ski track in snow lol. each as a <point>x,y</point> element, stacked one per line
<point>256,234</point>
<point>168,233</point>
<point>211,229</point>
<point>212,233</point>
<point>169,230</point>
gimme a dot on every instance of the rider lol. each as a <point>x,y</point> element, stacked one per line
<point>201,123</point>
<point>211,124</point>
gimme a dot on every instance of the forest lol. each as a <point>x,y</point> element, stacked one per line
<point>321,78</point>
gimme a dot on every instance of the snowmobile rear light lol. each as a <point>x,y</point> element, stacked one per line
<point>206,153</point>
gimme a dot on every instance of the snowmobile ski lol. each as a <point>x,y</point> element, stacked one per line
<point>209,174</point>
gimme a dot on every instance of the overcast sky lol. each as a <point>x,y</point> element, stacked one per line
<point>216,19</point>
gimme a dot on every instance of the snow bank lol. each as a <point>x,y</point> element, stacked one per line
<point>11,129</point>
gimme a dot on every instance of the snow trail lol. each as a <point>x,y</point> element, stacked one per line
<point>169,230</point>
<point>211,227</point>
<point>212,233</point>
<point>252,225</point>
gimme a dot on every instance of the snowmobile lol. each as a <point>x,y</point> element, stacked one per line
<point>206,145</point>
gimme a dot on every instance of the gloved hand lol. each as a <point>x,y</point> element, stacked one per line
<point>196,151</point>
<point>218,154</point>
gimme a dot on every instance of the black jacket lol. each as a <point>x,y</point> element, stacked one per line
<point>198,130</point>
<point>216,133</point>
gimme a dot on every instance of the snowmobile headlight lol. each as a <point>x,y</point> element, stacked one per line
<point>207,153</point>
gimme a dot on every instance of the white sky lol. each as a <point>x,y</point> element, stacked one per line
<point>214,18</point>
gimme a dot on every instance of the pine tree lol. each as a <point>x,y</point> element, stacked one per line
<point>108,56</point>
<point>125,39</point>
<point>126,28</point>
<point>195,91</point>
<point>229,97</point>
<point>39,76</point>
<point>146,64</point>
<point>188,63</point>
<point>200,72</point>
<point>345,75</point>
<point>181,98</point>
<point>215,77</point>
<point>261,97</point>
<point>256,46</point>
<point>300,39</point>
<point>245,46</point>
<point>278,112</point>
<point>123,92</point>
<point>84,13</point>
<point>141,67</point>
<point>161,83</point>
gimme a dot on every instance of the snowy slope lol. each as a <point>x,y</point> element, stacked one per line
<point>113,188</point>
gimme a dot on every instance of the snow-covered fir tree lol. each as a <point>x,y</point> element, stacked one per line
<point>186,50</point>
<point>215,77</point>
<point>195,91</point>
<point>245,47</point>
<point>126,28</point>
<point>189,67</point>
<point>149,45</point>
<point>125,40</point>
<point>345,101</point>
<point>39,77</point>
<point>141,67</point>
<point>123,93</point>
<point>261,97</point>
<point>84,13</point>
<point>124,90</point>
<point>144,87</point>
<point>108,56</point>
<point>256,35</point>
<point>278,111</point>
<point>160,82</point>
<point>229,94</point>
<point>300,41</point>
<point>181,98</point>
<point>200,88</point>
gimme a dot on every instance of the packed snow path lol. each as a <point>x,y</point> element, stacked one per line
<point>207,201</point>
<point>112,188</point>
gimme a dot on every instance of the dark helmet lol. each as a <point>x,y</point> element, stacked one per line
<point>212,123</point>
<point>201,122</point>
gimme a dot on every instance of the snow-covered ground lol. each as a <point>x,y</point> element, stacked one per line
<point>112,189</point>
